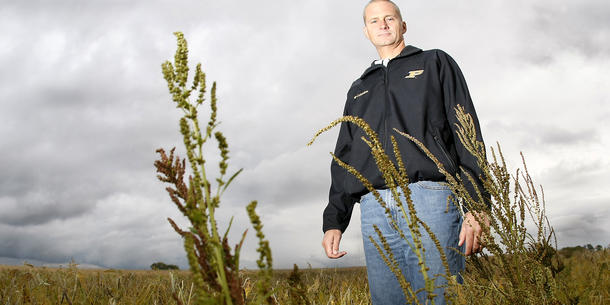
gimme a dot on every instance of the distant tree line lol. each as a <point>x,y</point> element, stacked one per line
<point>569,251</point>
<point>163,266</point>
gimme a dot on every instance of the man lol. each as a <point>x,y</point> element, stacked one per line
<point>415,92</point>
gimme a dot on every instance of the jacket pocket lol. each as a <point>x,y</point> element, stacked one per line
<point>451,163</point>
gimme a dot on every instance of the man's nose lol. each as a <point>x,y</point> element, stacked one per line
<point>383,24</point>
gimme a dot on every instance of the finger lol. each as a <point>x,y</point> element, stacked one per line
<point>476,247</point>
<point>327,250</point>
<point>335,247</point>
<point>338,255</point>
<point>335,242</point>
<point>326,243</point>
<point>328,247</point>
<point>462,236</point>
<point>469,243</point>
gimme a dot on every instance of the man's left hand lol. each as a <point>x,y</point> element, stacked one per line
<point>471,232</point>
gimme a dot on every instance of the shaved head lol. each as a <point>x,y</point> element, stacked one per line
<point>393,4</point>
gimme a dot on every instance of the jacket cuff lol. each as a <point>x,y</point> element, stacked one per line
<point>326,228</point>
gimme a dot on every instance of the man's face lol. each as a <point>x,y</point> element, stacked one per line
<point>383,26</point>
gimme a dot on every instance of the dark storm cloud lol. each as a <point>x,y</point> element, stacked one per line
<point>25,210</point>
<point>109,235</point>
<point>583,226</point>
<point>88,107</point>
<point>77,120</point>
<point>72,156</point>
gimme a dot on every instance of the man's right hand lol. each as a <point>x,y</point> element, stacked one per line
<point>330,243</point>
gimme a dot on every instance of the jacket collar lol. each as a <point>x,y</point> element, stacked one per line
<point>407,51</point>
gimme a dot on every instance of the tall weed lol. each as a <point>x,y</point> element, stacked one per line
<point>214,265</point>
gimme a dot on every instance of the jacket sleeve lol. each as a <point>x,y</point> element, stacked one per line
<point>455,92</point>
<point>338,212</point>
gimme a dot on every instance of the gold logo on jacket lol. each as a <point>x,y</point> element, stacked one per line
<point>414,73</point>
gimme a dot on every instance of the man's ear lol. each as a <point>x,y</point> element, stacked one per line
<point>366,33</point>
<point>404,27</point>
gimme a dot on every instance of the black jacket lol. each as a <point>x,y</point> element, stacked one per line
<point>416,93</point>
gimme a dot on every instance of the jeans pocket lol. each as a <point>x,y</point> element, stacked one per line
<point>366,203</point>
<point>372,212</point>
<point>366,199</point>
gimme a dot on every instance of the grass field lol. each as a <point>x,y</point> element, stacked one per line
<point>583,280</point>
<point>39,285</point>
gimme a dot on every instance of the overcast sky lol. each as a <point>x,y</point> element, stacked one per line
<point>84,106</point>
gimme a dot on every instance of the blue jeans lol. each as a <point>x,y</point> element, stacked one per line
<point>430,201</point>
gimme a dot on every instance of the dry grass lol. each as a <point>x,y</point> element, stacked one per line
<point>584,280</point>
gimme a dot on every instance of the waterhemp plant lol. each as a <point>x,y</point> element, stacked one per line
<point>517,268</point>
<point>213,264</point>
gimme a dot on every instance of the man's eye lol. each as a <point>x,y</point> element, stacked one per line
<point>390,19</point>
<point>373,21</point>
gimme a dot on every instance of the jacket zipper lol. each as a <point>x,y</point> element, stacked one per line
<point>442,148</point>
<point>386,106</point>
